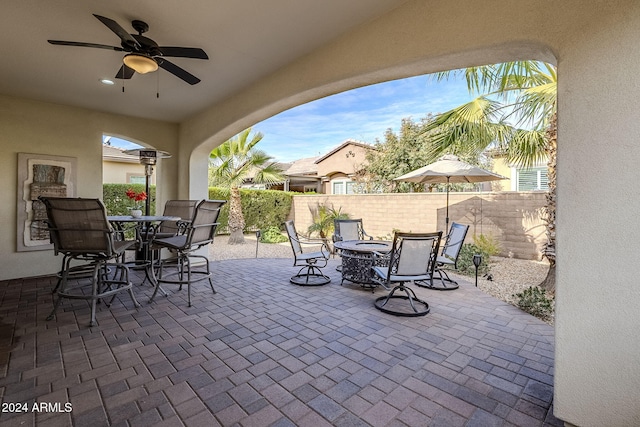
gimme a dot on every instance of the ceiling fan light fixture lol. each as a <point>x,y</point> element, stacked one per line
<point>140,63</point>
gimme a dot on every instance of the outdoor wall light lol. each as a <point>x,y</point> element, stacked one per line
<point>477,260</point>
<point>140,63</point>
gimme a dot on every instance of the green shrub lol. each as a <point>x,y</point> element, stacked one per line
<point>465,260</point>
<point>323,217</point>
<point>272,234</point>
<point>534,301</point>
<point>261,208</point>
<point>487,243</point>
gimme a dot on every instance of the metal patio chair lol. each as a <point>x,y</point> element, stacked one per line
<point>181,208</point>
<point>199,232</point>
<point>312,262</point>
<point>348,229</point>
<point>412,258</point>
<point>447,260</point>
<point>80,231</point>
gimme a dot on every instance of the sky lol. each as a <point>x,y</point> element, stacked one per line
<point>363,114</point>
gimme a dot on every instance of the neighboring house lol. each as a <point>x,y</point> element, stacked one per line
<point>520,179</point>
<point>337,168</point>
<point>331,173</point>
<point>121,168</point>
<point>302,176</point>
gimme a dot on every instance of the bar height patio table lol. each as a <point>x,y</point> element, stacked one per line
<point>151,222</point>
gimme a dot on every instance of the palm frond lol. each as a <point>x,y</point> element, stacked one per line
<point>527,148</point>
<point>526,92</point>
<point>237,159</point>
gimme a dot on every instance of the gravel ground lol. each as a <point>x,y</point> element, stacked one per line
<point>510,276</point>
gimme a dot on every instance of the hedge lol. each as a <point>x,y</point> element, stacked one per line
<point>261,208</point>
<point>117,202</point>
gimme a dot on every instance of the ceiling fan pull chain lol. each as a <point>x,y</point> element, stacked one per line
<point>157,85</point>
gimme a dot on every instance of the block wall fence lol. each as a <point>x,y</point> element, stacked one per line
<point>513,218</point>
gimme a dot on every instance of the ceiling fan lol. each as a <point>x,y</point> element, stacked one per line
<point>143,54</point>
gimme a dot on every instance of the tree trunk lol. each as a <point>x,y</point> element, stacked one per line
<point>549,283</point>
<point>236,218</point>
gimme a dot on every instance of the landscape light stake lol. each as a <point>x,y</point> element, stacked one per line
<point>477,260</point>
<point>258,234</point>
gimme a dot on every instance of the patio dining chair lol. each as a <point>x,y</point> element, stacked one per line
<point>198,233</point>
<point>348,229</point>
<point>182,209</point>
<point>80,231</point>
<point>310,273</point>
<point>447,260</point>
<point>412,258</point>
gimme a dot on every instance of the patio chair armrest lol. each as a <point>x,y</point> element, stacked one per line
<point>381,259</point>
<point>324,247</point>
<point>377,254</point>
<point>182,225</point>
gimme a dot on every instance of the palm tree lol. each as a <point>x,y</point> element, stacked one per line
<point>514,112</point>
<point>234,161</point>
<point>323,217</point>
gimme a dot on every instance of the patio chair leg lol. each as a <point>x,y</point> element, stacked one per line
<point>130,286</point>
<point>381,302</point>
<point>188,262</point>
<point>209,274</point>
<point>94,293</point>
<point>61,286</point>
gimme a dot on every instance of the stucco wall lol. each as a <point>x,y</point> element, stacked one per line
<point>119,172</point>
<point>348,159</point>
<point>597,373</point>
<point>513,219</point>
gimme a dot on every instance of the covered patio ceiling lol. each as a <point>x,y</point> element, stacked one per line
<point>245,41</point>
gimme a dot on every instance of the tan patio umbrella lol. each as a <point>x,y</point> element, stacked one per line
<point>446,170</point>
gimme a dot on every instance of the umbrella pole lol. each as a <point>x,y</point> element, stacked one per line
<point>446,218</point>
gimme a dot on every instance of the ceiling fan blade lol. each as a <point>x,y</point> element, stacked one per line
<point>125,72</point>
<point>177,71</point>
<point>83,44</point>
<point>120,32</point>
<point>183,52</point>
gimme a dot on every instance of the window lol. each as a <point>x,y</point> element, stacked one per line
<point>532,179</point>
<point>337,188</point>
<point>342,186</point>
<point>137,179</point>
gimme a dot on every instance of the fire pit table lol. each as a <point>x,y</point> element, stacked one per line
<point>357,259</point>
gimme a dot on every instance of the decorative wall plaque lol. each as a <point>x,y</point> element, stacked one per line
<point>40,175</point>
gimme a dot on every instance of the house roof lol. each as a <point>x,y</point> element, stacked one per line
<point>303,167</point>
<point>115,154</point>
<point>341,146</point>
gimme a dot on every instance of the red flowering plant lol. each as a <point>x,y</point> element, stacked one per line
<point>136,197</point>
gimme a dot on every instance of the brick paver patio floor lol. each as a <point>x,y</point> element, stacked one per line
<point>264,352</point>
